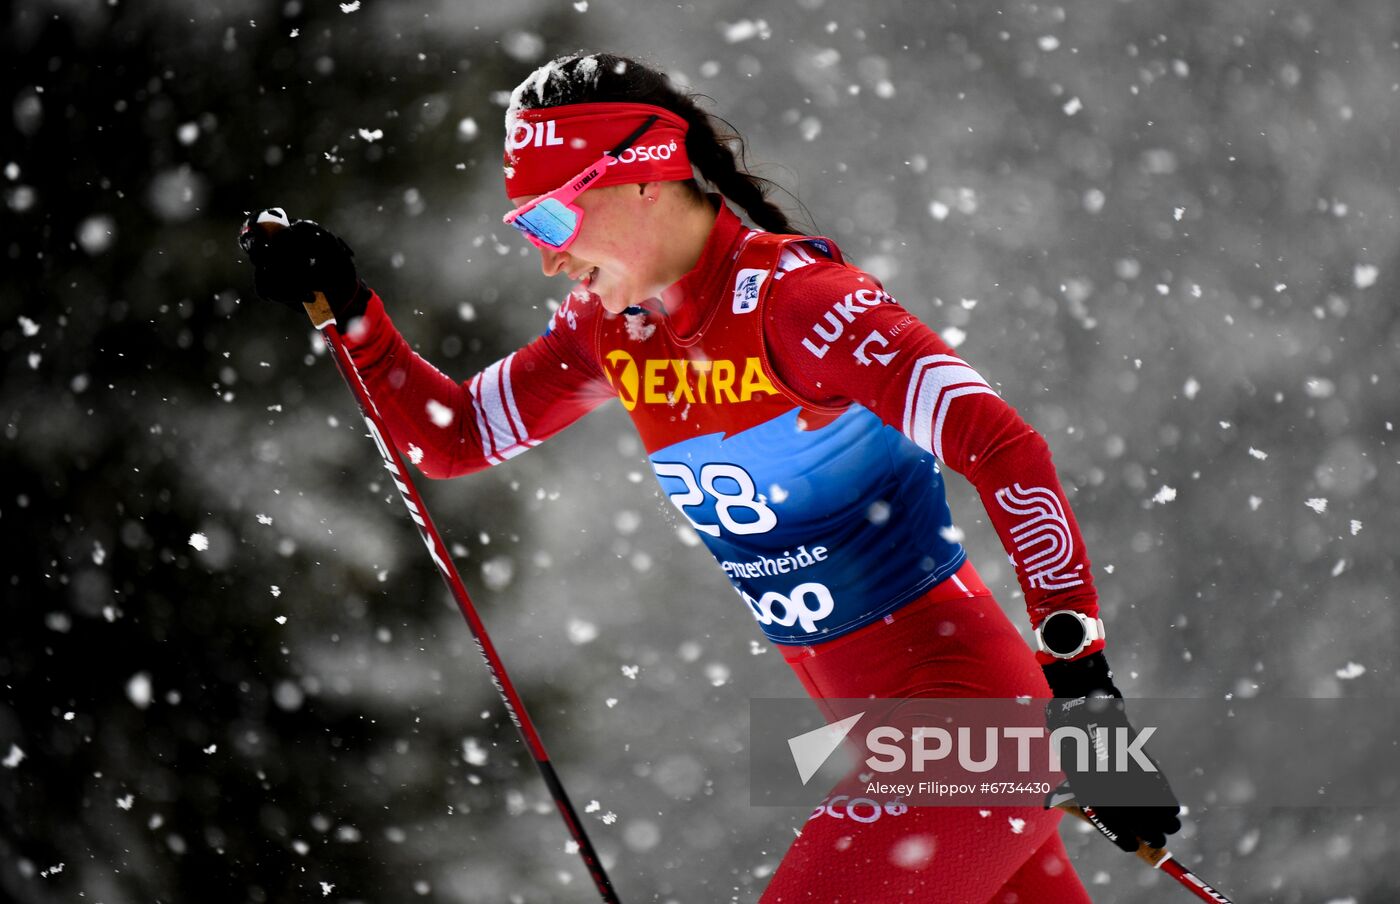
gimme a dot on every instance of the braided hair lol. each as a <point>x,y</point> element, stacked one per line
<point>607,78</point>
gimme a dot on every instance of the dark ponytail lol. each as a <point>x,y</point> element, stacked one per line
<point>604,78</point>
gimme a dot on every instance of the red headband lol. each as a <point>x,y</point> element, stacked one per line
<point>547,147</point>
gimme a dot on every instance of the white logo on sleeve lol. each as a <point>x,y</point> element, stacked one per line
<point>1043,540</point>
<point>874,338</point>
<point>747,286</point>
<point>833,322</point>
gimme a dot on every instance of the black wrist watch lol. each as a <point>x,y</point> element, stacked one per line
<point>1067,633</point>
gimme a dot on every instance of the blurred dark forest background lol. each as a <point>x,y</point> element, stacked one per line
<point>228,672</point>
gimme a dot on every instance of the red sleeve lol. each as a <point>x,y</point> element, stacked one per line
<point>448,428</point>
<point>835,337</point>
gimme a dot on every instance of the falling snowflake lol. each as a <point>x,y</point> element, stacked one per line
<point>199,541</point>
<point>473,752</point>
<point>1317,504</point>
<point>913,852</point>
<point>1351,670</point>
<point>138,690</point>
<point>745,29</point>
<point>439,413</point>
<point>1164,495</point>
<point>581,632</point>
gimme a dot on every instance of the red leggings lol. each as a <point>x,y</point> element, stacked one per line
<point>953,642</point>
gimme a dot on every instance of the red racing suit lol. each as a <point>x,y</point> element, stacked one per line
<point>794,412</point>
<point>797,416</point>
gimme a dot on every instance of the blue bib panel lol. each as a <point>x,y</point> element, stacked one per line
<point>859,522</point>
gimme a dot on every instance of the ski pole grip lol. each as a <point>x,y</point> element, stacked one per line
<point>318,309</point>
<point>320,312</point>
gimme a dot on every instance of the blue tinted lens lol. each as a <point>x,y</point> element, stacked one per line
<point>549,221</point>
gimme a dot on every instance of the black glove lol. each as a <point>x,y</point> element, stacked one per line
<point>291,263</point>
<point>1086,696</point>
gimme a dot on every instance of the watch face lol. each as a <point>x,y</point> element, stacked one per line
<point>1062,633</point>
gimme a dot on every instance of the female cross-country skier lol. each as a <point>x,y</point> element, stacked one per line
<point>797,415</point>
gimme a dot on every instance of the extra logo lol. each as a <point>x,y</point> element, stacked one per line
<point>747,286</point>
<point>833,325</point>
<point>669,381</point>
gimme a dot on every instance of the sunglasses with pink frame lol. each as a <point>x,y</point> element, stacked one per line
<point>552,221</point>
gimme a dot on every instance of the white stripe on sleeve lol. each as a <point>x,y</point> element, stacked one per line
<point>503,433</point>
<point>936,382</point>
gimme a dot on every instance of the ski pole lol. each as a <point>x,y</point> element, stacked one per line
<point>1158,858</point>
<point>323,318</point>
